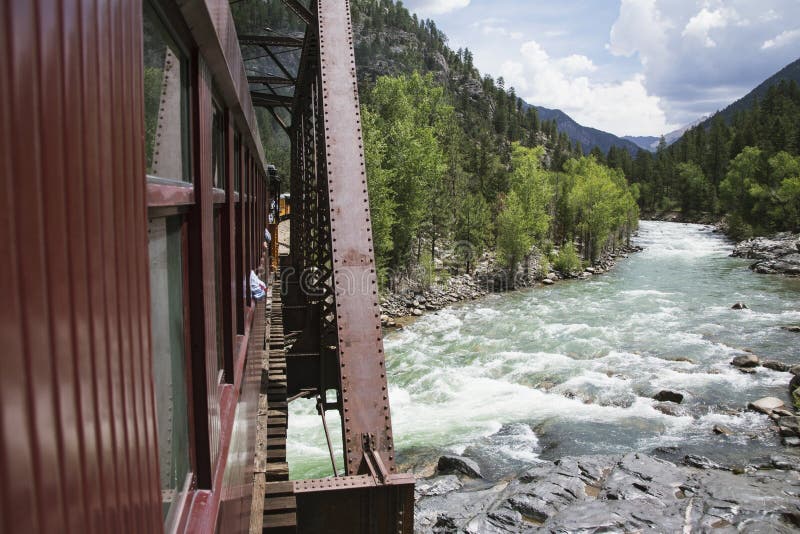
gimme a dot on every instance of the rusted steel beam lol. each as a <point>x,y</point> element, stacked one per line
<point>271,40</point>
<point>366,417</point>
<point>300,10</point>
<point>270,80</point>
<point>264,100</point>
<point>278,119</point>
<point>280,65</point>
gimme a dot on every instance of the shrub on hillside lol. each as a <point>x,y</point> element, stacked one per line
<point>567,260</point>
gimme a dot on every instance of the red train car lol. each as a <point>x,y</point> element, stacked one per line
<point>133,208</point>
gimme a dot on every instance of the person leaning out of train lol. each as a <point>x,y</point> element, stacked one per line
<point>257,287</point>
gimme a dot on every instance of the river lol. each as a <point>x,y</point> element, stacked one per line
<point>571,368</point>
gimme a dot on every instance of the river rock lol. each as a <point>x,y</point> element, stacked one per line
<point>631,493</point>
<point>775,365</point>
<point>775,254</point>
<point>745,360</point>
<point>548,282</point>
<point>789,425</point>
<point>450,463</point>
<point>437,486</point>
<point>766,405</point>
<point>720,429</point>
<point>700,462</point>
<point>795,329</point>
<point>666,395</point>
<point>794,383</point>
<point>795,370</point>
<point>416,312</point>
<point>670,408</point>
<point>739,306</point>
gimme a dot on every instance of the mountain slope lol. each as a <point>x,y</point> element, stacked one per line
<point>588,137</point>
<point>651,142</point>
<point>647,142</point>
<point>789,72</point>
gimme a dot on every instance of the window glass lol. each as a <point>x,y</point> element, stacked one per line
<point>219,290</point>
<point>237,151</point>
<point>165,101</point>
<point>218,149</point>
<point>169,357</point>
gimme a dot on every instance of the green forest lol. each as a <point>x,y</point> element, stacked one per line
<point>455,157</point>
<point>430,183</point>
<point>747,171</point>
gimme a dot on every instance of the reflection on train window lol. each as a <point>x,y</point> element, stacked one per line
<point>237,152</point>
<point>165,101</point>
<point>218,151</point>
<point>169,358</point>
<point>219,293</point>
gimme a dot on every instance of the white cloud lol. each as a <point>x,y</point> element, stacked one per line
<point>769,16</point>
<point>494,27</point>
<point>555,33</point>
<point>622,107</point>
<point>699,27</point>
<point>436,7</point>
<point>576,64</point>
<point>640,29</point>
<point>698,55</point>
<point>782,39</point>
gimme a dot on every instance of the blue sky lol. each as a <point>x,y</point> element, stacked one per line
<point>630,67</point>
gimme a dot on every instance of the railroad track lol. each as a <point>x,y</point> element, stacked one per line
<point>274,498</point>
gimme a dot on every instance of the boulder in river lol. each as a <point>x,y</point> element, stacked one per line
<point>795,329</point>
<point>794,383</point>
<point>775,254</point>
<point>766,405</point>
<point>631,493</point>
<point>666,395</point>
<point>795,370</point>
<point>450,463</point>
<point>670,408</point>
<point>739,306</point>
<point>720,429</point>
<point>700,462</point>
<point>745,360</point>
<point>775,365</point>
<point>789,425</point>
<point>548,282</point>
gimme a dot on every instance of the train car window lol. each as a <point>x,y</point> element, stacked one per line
<point>166,101</point>
<point>218,147</point>
<point>219,294</point>
<point>169,360</point>
<point>237,152</point>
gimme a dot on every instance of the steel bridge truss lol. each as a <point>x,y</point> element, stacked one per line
<point>329,283</point>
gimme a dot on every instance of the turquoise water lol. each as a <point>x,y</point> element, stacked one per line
<point>571,368</point>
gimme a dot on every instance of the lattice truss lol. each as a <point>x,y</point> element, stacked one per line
<point>339,345</point>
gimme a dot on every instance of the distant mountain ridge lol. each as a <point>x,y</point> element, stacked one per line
<point>787,73</point>
<point>651,142</point>
<point>588,137</point>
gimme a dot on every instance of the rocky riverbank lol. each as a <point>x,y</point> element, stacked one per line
<point>778,254</point>
<point>634,492</point>
<point>664,490</point>
<point>415,298</point>
<point>680,217</point>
